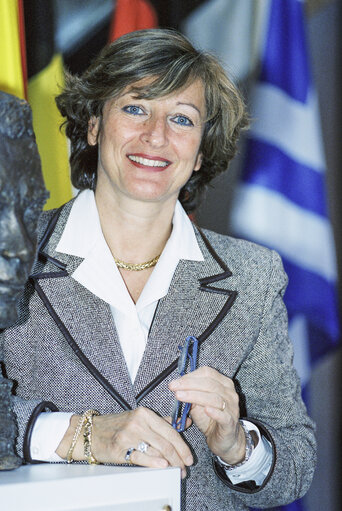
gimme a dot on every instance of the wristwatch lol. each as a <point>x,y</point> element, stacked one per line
<point>248,452</point>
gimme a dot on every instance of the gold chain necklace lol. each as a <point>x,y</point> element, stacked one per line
<point>136,267</point>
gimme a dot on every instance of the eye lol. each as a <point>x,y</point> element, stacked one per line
<point>182,120</point>
<point>133,109</point>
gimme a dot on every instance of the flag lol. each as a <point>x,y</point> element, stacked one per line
<point>281,201</point>
<point>12,48</point>
<point>131,15</point>
<point>45,72</point>
<point>230,30</point>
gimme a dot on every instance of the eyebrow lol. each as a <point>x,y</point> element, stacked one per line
<point>130,93</point>
<point>189,104</point>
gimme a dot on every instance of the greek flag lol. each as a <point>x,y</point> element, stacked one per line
<point>281,201</point>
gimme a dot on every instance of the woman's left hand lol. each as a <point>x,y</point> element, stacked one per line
<point>215,411</point>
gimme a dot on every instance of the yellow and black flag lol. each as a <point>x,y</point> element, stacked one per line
<point>45,77</point>
<point>12,48</point>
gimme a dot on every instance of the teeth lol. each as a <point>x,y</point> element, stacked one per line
<point>148,163</point>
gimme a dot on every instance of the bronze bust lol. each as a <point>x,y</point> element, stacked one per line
<point>22,196</point>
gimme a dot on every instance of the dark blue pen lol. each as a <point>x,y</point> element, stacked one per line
<point>188,357</point>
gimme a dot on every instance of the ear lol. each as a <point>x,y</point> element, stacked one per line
<point>93,129</point>
<point>198,163</point>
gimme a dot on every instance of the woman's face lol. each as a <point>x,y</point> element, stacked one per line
<point>148,149</point>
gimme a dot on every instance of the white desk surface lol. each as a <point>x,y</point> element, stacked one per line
<point>62,487</point>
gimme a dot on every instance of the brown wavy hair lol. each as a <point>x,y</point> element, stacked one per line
<point>172,62</point>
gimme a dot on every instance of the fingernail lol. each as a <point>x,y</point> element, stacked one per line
<point>183,473</point>
<point>174,384</point>
<point>180,394</point>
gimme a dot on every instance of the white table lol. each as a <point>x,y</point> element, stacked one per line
<point>62,487</point>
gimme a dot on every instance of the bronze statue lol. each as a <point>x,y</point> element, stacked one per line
<point>22,196</point>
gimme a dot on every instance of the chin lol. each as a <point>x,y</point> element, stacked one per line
<point>149,194</point>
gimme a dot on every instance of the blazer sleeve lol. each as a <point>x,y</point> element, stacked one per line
<point>270,392</point>
<point>27,412</point>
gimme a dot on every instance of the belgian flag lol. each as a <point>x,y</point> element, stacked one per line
<point>45,77</point>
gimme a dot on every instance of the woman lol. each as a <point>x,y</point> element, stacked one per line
<point>123,278</point>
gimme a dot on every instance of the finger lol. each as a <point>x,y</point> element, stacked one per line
<point>152,459</point>
<point>209,372</point>
<point>201,398</point>
<point>147,460</point>
<point>172,447</point>
<point>219,383</point>
<point>166,435</point>
<point>150,451</point>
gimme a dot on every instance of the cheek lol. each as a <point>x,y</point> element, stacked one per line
<point>111,143</point>
<point>190,150</point>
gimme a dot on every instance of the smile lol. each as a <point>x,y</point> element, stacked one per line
<point>147,162</point>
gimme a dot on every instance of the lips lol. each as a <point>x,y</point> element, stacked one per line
<point>149,162</point>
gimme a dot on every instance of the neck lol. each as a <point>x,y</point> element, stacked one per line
<point>135,232</point>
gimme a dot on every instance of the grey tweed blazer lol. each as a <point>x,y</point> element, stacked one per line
<point>64,353</point>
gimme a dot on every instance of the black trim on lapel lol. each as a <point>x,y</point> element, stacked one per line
<point>204,286</point>
<point>78,352</point>
<point>63,329</point>
<point>45,238</point>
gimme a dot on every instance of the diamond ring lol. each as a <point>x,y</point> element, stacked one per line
<point>142,447</point>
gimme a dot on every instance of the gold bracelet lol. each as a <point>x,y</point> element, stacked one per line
<point>77,433</point>
<point>88,427</point>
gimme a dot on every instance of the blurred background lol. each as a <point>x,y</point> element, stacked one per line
<point>282,190</point>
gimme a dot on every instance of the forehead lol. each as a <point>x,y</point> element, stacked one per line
<point>192,93</point>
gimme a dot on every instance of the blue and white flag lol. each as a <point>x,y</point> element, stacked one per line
<point>281,202</point>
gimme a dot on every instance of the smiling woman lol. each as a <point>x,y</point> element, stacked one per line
<point>133,63</point>
<point>149,148</point>
<point>123,280</point>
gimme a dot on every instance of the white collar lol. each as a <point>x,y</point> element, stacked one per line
<point>82,237</point>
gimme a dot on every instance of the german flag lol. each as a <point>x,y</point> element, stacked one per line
<point>131,15</point>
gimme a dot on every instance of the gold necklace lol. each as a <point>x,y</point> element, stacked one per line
<point>136,267</point>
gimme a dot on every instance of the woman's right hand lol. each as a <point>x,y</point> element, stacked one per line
<point>113,435</point>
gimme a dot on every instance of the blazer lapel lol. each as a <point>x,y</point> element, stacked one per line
<point>75,311</point>
<point>199,298</point>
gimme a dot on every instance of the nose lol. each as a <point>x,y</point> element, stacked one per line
<point>155,132</point>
